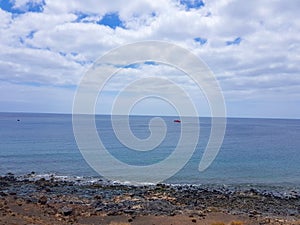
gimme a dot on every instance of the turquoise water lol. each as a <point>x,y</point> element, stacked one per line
<point>255,151</point>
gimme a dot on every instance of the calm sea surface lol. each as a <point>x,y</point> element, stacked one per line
<point>254,151</point>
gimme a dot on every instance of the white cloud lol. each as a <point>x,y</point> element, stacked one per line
<point>53,48</point>
<point>5,18</point>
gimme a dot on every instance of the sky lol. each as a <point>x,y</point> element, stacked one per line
<point>252,48</point>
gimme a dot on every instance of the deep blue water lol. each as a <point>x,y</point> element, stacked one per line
<point>254,151</point>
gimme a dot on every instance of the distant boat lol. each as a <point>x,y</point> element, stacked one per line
<point>177,121</point>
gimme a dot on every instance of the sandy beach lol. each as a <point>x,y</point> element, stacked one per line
<point>34,200</point>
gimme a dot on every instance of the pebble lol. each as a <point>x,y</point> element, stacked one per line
<point>2,194</point>
<point>43,200</point>
<point>66,211</point>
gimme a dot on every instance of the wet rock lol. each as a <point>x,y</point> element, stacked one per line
<point>129,211</point>
<point>42,179</point>
<point>3,194</point>
<point>99,209</point>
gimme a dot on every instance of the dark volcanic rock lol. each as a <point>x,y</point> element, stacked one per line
<point>3,194</point>
<point>43,200</point>
<point>160,207</point>
<point>66,211</point>
<point>155,200</point>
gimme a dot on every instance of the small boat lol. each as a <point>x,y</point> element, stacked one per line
<point>177,121</point>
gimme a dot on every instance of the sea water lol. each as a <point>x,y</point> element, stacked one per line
<point>254,151</point>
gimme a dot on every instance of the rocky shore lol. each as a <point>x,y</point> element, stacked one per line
<point>49,200</point>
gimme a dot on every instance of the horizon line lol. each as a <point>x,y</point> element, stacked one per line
<point>105,114</point>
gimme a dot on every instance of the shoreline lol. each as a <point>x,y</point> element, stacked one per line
<point>69,202</point>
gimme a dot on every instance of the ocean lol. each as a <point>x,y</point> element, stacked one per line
<point>254,151</point>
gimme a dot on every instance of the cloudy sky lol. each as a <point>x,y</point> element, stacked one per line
<point>252,47</point>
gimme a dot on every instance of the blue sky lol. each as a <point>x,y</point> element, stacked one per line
<point>253,49</point>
